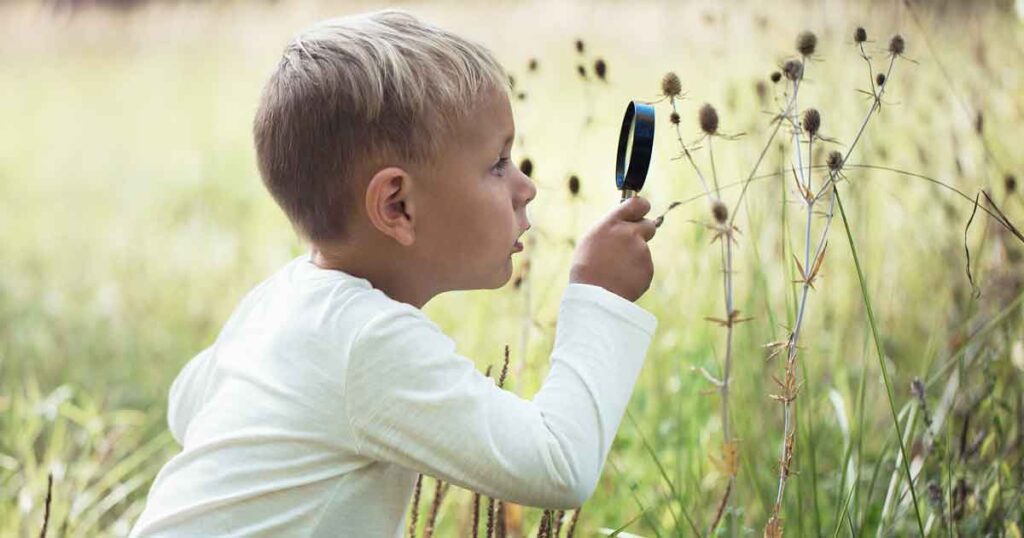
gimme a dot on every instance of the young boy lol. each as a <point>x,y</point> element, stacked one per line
<point>386,142</point>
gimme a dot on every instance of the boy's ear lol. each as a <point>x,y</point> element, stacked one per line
<point>389,204</point>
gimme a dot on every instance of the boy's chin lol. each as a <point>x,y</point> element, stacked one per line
<point>497,279</point>
<point>504,275</point>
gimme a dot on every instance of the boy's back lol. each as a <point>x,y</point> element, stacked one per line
<point>322,399</point>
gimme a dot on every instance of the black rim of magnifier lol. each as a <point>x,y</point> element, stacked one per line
<point>639,117</point>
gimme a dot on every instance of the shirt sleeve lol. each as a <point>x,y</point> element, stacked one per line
<point>183,403</point>
<point>412,400</point>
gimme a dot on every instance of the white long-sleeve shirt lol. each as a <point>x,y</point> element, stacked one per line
<point>322,398</point>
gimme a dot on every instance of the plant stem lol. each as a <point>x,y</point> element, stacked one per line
<point>881,358</point>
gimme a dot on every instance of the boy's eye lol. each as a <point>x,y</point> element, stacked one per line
<point>502,164</point>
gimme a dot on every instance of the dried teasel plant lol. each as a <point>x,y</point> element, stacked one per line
<point>724,228</point>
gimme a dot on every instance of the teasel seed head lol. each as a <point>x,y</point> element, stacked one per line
<point>521,96</point>
<point>860,35</point>
<point>670,85</point>
<point>708,117</point>
<point>1010,182</point>
<point>979,122</point>
<point>526,166</point>
<point>880,79</point>
<point>532,66</point>
<point>805,43</point>
<point>793,70</point>
<point>775,76</point>
<point>579,46</point>
<point>812,121</point>
<point>834,161</point>
<point>600,68</point>
<point>581,70</point>
<point>761,89</point>
<point>674,118</point>
<point>574,185</point>
<point>897,45</point>
<point>720,211</point>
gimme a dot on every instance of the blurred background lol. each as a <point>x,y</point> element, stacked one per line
<point>132,221</point>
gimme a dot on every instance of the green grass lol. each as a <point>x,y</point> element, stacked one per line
<point>132,220</point>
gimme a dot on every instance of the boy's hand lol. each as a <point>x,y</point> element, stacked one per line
<point>614,253</point>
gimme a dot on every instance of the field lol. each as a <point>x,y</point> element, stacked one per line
<point>132,220</point>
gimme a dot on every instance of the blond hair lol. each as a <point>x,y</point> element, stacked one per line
<point>355,93</point>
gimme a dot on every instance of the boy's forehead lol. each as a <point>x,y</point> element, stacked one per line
<point>490,122</point>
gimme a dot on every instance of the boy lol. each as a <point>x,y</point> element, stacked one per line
<point>386,142</point>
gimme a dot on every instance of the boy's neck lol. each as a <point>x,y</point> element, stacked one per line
<point>390,278</point>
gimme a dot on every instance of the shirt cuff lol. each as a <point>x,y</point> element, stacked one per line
<point>613,303</point>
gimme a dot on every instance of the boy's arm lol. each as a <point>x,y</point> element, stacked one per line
<point>412,400</point>
<point>182,403</point>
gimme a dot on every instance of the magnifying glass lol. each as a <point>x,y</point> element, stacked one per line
<point>636,142</point>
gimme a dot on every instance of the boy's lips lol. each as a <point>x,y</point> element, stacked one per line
<point>518,246</point>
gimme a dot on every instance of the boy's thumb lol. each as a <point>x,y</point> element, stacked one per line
<point>633,208</point>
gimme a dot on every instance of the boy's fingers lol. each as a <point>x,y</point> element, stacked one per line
<point>648,227</point>
<point>633,209</point>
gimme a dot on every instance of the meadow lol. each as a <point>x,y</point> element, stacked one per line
<point>132,220</point>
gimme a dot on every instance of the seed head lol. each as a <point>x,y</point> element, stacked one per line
<point>674,118</point>
<point>574,185</point>
<point>979,122</point>
<point>880,79</point>
<point>708,117</point>
<point>776,76</point>
<point>812,121</point>
<point>526,166</point>
<point>1010,182</point>
<point>600,68</point>
<point>579,46</point>
<point>719,211</point>
<point>793,70</point>
<point>860,35</point>
<point>762,90</point>
<point>834,161</point>
<point>897,45</point>
<point>521,96</point>
<point>581,70</point>
<point>805,43</point>
<point>670,85</point>
<point>532,66</point>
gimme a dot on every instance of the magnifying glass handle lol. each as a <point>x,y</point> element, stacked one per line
<point>627,194</point>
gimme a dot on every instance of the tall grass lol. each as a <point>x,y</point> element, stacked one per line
<point>133,220</point>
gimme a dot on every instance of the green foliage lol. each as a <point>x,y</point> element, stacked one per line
<point>132,220</point>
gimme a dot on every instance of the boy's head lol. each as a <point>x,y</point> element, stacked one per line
<point>382,133</point>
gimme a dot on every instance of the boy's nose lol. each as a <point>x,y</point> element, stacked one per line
<point>531,192</point>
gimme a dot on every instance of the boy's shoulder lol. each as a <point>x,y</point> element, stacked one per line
<point>331,293</point>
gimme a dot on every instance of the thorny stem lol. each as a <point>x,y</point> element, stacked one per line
<point>788,386</point>
<point>876,103</point>
<point>686,151</point>
<point>728,448</point>
<point>714,174</point>
<point>810,264</point>
<point>778,124</point>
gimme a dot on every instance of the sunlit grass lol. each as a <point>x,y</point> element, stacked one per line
<point>132,220</point>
